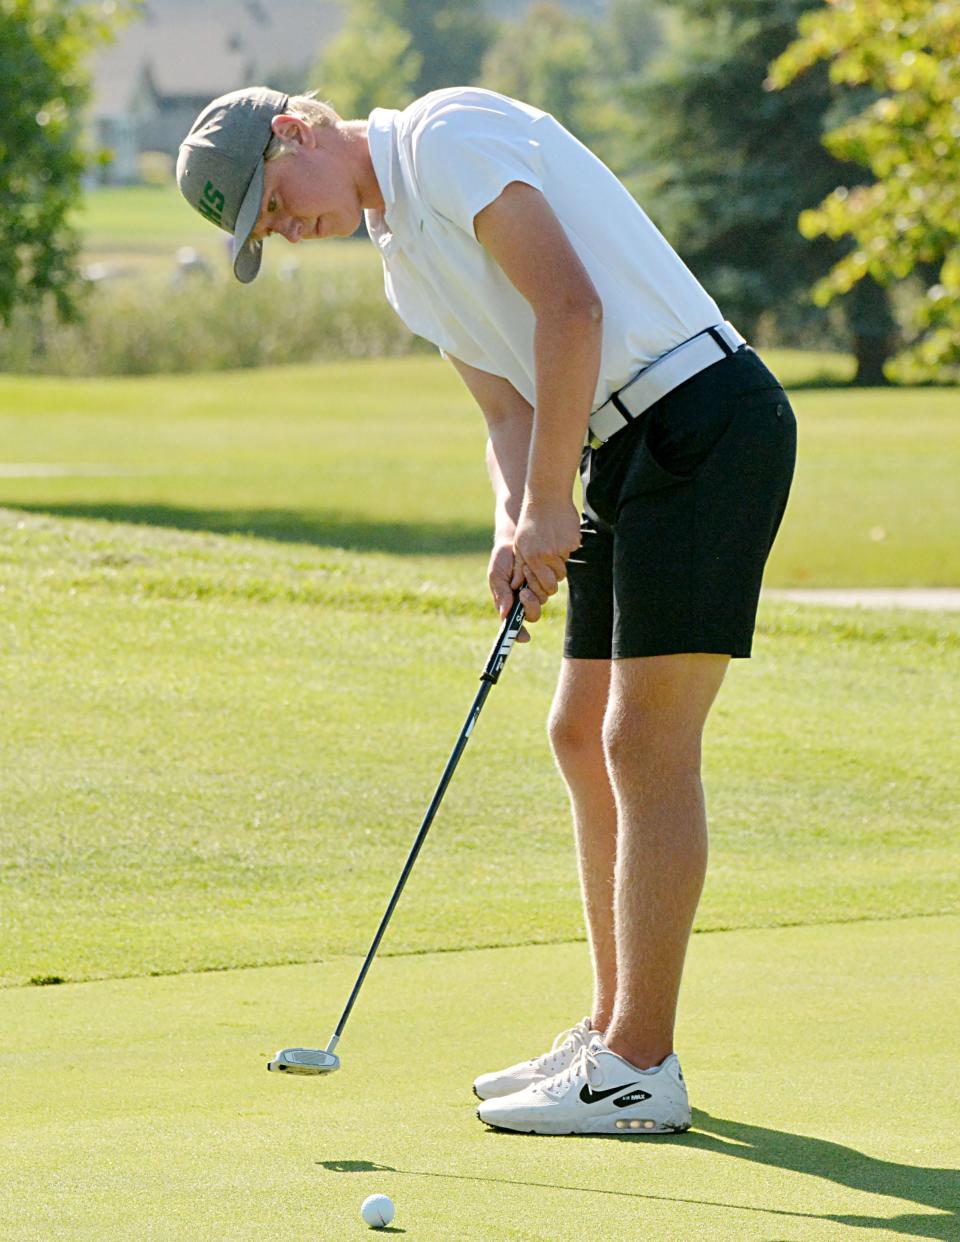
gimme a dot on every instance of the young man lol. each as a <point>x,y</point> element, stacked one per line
<point>587,344</point>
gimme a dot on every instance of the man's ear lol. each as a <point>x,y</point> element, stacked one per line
<point>292,129</point>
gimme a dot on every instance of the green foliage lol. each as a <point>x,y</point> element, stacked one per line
<point>370,64</point>
<point>630,35</point>
<point>908,221</point>
<point>44,88</point>
<point>549,59</point>
<point>576,69</point>
<point>726,167</point>
<point>450,35</point>
<point>392,51</point>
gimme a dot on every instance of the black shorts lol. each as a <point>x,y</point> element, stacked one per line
<point>680,512</point>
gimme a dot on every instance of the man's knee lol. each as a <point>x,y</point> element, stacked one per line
<point>575,736</point>
<point>575,724</point>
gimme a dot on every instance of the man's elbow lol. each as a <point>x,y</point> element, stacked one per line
<point>584,307</point>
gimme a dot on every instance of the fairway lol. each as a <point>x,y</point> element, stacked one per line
<point>138,229</point>
<point>242,618</point>
<point>277,454</point>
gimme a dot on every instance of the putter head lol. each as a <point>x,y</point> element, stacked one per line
<point>304,1061</point>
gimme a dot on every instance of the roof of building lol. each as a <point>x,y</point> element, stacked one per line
<point>204,49</point>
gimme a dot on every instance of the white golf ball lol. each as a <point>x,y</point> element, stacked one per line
<point>377,1211</point>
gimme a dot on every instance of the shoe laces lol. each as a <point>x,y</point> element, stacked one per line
<point>581,1066</point>
<point>578,1036</point>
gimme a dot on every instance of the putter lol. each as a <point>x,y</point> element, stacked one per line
<point>325,1060</point>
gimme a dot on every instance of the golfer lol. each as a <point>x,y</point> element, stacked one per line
<point>588,345</point>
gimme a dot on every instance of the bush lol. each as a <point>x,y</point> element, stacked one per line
<point>205,323</point>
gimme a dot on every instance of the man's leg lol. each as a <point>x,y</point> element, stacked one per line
<point>657,707</point>
<point>576,733</point>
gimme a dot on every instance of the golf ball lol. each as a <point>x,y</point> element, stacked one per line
<point>377,1211</point>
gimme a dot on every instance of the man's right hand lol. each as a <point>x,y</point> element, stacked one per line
<point>499,573</point>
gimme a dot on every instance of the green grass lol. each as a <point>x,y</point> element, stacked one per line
<point>821,1063</point>
<point>140,217</point>
<point>261,635</point>
<point>241,621</point>
<point>387,456</point>
<point>218,752</point>
<point>139,229</point>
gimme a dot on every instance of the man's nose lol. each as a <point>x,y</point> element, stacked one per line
<point>290,229</point>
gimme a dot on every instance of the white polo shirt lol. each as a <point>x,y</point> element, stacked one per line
<point>446,157</point>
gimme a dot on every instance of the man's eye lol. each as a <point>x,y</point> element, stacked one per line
<point>272,205</point>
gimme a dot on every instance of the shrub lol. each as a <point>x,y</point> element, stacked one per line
<point>200,322</point>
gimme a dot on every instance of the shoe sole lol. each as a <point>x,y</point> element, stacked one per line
<point>623,1127</point>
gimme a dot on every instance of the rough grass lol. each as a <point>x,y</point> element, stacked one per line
<point>218,752</point>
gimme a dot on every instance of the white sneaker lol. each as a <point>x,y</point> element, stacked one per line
<point>598,1093</point>
<point>525,1073</point>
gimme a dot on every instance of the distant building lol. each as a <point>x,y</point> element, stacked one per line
<point>177,55</point>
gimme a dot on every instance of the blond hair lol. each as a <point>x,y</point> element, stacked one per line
<point>306,108</point>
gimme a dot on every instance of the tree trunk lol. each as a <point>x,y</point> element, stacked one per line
<point>874,332</point>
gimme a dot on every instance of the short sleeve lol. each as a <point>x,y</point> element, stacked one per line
<point>465,157</point>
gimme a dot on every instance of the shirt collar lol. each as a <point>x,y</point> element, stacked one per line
<point>382,141</point>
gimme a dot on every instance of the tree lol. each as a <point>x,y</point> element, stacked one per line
<point>908,219</point>
<point>628,39</point>
<point>451,36</point>
<point>44,89</point>
<point>369,64</point>
<point>576,69</point>
<point>726,167</point>
<point>549,59</point>
<point>392,51</point>
<point>630,35</point>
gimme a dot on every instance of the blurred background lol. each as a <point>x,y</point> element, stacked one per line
<point>803,158</point>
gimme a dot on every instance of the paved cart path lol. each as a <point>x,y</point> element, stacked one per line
<point>821,1060</point>
<point>924,599</point>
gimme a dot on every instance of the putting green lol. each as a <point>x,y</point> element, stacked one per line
<point>822,1063</point>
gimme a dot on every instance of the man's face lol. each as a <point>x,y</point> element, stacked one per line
<point>309,193</point>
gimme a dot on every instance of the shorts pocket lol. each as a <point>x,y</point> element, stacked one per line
<point>649,472</point>
<point>624,469</point>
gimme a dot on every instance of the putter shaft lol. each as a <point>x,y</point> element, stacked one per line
<point>315,1061</point>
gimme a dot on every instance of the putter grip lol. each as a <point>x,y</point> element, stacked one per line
<point>505,640</point>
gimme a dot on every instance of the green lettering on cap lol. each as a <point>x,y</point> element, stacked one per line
<point>211,204</point>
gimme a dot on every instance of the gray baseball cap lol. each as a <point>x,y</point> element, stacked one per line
<point>220,167</point>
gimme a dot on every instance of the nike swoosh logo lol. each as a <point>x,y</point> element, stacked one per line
<point>591,1097</point>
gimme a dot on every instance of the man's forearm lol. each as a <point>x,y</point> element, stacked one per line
<point>567,348</point>
<point>508,449</point>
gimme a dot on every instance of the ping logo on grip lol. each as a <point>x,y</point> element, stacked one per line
<point>211,203</point>
<point>498,657</point>
<point>509,639</point>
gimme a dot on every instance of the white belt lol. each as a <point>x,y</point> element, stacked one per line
<point>660,377</point>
